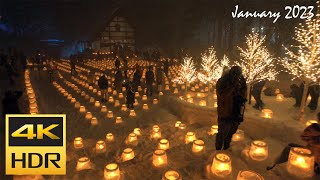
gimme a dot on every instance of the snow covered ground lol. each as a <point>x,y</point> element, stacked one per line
<point>277,132</point>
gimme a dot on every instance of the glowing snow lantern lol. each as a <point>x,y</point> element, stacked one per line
<point>137,94</point>
<point>167,88</point>
<point>124,107</point>
<point>190,100</point>
<point>215,104</point>
<point>267,113</point>
<point>104,108</point>
<point>132,113</point>
<point>119,120</point>
<point>90,88</point>
<point>110,114</point>
<point>117,103</point>
<point>159,158</point>
<point>83,163</point>
<point>111,100</point>
<point>309,122</point>
<point>137,131</point>
<point>175,91</point>
<point>182,126</point>
<point>97,104</point>
<point>145,107</point>
<point>309,98</point>
<point>156,133</point>
<point>301,162</point>
<point>94,90</point>
<point>94,121</point>
<point>199,95</point>
<point>163,144</point>
<point>33,110</point>
<point>77,105</point>
<point>101,147</point>
<point>112,172</point>
<point>132,138</point>
<point>183,87</point>
<point>177,124</point>
<point>190,137</point>
<point>258,150</point>
<point>114,92</point>
<point>206,89</point>
<point>109,90</point>
<point>144,98</point>
<point>120,95</point>
<point>277,91</point>
<point>221,165</point>
<point>73,100</point>
<point>155,101</point>
<point>136,102</point>
<point>127,154</point>
<point>88,115</point>
<point>238,136</point>
<point>279,97</point>
<point>110,137</point>
<point>249,175</point>
<point>69,97</point>
<point>99,93</point>
<point>78,143</point>
<point>83,93</point>
<point>171,175</point>
<point>188,96</point>
<point>123,89</point>
<point>198,146</point>
<point>139,88</point>
<point>202,103</point>
<point>213,130</point>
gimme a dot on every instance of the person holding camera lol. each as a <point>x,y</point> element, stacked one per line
<point>231,95</point>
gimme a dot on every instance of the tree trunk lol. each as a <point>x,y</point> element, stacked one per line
<point>303,101</point>
<point>249,93</point>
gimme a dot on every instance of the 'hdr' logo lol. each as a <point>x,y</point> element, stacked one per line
<point>36,144</point>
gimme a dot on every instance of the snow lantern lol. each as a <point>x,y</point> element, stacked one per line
<point>167,88</point>
<point>87,97</point>
<point>198,146</point>
<point>155,101</point>
<point>132,138</point>
<point>309,98</point>
<point>188,96</point>
<point>112,172</point>
<point>190,137</point>
<point>110,137</point>
<point>120,95</point>
<point>203,103</point>
<point>117,103</point>
<point>190,100</point>
<point>110,114</point>
<point>101,147</point>
<point>175,91</point>
<point>92,100</point>
<point>238,136</point>
<point>123,89</point>
<point>94,90</point>
<point>137,131</point>
<point>258,150</point>
<point>124,107</point>
<point>69,97</point>
<point>145,107</point>
<point>77,105</point>
<point>221,165</point>
<point>156,134</point>
<point>104,108</point>
<point>215,104</point>
<point>267,113</point>
<point>132,113</point>
<point>277,91</point>
<point>33,110</point>
<point>160,93</point>
<point>177,124</point>
<point>109,90</point>
<point>301,162</point>
<point>163,144</point>
<point>171,175</point>
<point>159,158</point>
<point>97,104</point>
<point>88,115</point>
<point>136,102</point>
<point>183,87</point>
<point>199,95</point>
<point>137,94</point>
<point>73,100</point>
<point>78,143</point>
<point>114,92</point>
<point>193,89</point>
<point>99,93</point>
<point>182,126</point>
<point>83,93</point>
<point>111,100</point>
<point>94,121</point>
<point>144,98</point>
<point>118,120</point>
<point>127,154</point>
<point>90,88</point>
<point>83,163</point>
<point>309,122</point>
<point>279,97</point>
<point>213,130</point>
<point>139,88</point>
<point>249,175</point>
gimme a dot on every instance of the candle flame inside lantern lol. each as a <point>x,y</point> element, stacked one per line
<point>221,165</point>
<point>78,143</point>
<point>100,147</point>
<point>301,162</point>
<point>198,146</point>
<point>112,172</point>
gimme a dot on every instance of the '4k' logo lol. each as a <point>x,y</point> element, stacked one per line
<point>40,131</point>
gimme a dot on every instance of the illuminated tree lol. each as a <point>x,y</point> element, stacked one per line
<point>256,61</point>
<point>187,73</point>
<point>303,61</point>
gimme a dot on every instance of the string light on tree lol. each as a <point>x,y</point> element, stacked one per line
<point>303,59</point>
<point>187,73</point>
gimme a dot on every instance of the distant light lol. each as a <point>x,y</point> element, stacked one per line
<point>52,40</point>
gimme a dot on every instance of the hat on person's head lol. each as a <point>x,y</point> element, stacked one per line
<point>235,70</point>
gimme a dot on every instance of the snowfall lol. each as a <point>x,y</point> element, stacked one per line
<point>277,132</point>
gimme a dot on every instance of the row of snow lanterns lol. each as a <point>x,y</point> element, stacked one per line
<point>33,106</point>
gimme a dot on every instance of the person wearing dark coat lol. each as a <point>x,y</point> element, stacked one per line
<point>296,93</point>
<point>10,103</point>
<point>166,67</point>
<point>130,96</point>
<point>314,91</point>
<point>231,95</point>
<point>256,93</point>
<point>136,80</point>
<point>73,64</point>
<point>125,68</point>
<point>103,85</point>
<point>118,78</point>
<point>117,63</point>
<point>159,79</point>
<point>149,81</point>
